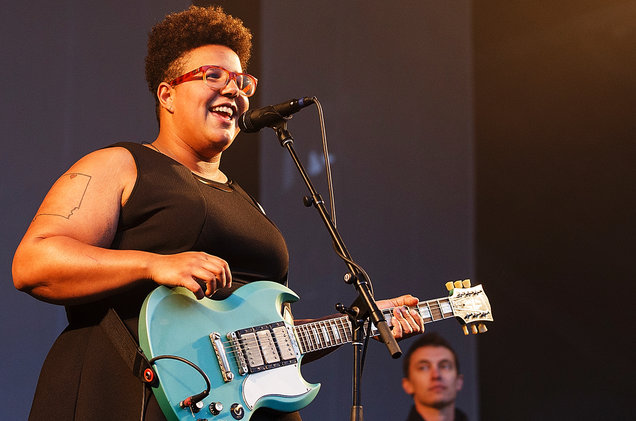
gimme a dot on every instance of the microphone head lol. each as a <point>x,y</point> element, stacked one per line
<point>244,123</point>
<point>253,120</point>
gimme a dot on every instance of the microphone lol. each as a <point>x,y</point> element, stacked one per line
<point>252,121</point>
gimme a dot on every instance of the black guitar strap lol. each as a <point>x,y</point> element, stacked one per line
<point>127,347</point>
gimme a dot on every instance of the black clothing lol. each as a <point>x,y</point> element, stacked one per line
<point>415,416</point>
<point>170,210</point>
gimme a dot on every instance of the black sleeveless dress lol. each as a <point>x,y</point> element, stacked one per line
<point>170,210</point>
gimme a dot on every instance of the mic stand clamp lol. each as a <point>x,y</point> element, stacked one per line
<point>365,301</point>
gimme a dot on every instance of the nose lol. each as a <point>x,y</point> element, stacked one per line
<point>231,89</point>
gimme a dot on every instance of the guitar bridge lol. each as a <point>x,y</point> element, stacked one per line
<point>219,350</point>
<point>264,347</point>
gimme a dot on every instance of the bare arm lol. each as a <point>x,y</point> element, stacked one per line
<point>63,257</point>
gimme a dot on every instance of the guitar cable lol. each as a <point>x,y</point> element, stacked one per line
<point>188,402</point>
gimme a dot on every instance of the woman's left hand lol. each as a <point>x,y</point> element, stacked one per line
<point>405,322</point>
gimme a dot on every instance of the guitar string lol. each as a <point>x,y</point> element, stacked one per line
<point>237,345</point>
<point>253,341</point>
<point>434,307</point>
<point>311,337</point>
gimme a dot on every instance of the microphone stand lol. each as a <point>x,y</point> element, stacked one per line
<point>364,306</point>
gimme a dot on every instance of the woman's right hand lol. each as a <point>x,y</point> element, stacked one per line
<point>199,272</point>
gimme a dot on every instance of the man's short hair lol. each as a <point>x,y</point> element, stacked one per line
<point>427,339</point>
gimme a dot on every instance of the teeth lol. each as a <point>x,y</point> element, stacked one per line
<point>224,109</point>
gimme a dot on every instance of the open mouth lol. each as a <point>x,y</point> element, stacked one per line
<point>224,111</point>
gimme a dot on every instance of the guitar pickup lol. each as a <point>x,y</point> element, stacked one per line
<point>265,347</point>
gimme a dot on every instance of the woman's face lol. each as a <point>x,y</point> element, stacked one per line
<point>203,117</point>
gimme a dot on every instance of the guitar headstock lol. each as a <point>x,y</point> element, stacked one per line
<point>470,306</point>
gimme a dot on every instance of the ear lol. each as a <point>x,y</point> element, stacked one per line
<point>165,95</point>
<point>407,386</point>
<point>459,382</point>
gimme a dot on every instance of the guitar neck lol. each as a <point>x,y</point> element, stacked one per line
<point>323,334</point>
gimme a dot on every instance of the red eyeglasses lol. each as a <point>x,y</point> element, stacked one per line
<point>217,77</point>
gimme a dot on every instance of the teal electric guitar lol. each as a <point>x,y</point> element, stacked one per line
<point>248,354</point>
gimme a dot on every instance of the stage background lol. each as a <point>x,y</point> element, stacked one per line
<point>485,140</point>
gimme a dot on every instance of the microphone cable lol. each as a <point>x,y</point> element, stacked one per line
<point>325,150</point>
<point>332,201</point>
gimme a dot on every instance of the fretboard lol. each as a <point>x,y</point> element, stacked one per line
<point>322,334</point>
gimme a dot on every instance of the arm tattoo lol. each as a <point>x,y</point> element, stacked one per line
<point>76,186</point>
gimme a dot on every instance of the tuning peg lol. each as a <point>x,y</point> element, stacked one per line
<point>465,329</point>
<point>466,283</point>
<point>474,330</point>
<point>458,284</point>
<point>449,285</point>
<point>482,328</point>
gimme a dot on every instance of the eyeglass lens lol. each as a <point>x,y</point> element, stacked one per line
<point>217,77</point>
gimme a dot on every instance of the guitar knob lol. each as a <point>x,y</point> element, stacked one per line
<point>194,407</point>
<point>449,285</point>
<point>473,328</point>
<point>458,284</point>
<point>482,328</point>
<point>237,411</point>
<point>466,283</point>
<point>215,408</point>
<point>465,329</point>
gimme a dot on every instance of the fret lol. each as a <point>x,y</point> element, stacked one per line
<point>346,328</point>
<point>299,339</point>
<point>330,332</point>
<point>310,336</point>
<point>436,312</point>
<point>320,326</point>
<point>325,334</point>
<point>336,333</point>
<point>303,340</point>
<point>316,337</point>
<point>306,338</point>
<point>425,312</point>
<point>446,307</point>
<point>341,334</point>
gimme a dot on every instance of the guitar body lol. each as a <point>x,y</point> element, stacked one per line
<point>174,322</point>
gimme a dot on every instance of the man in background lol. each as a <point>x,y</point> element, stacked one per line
<point>431,377</point>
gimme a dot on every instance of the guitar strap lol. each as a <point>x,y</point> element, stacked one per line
<point>127,347</point>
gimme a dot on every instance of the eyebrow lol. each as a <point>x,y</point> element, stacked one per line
<point>445,360</point>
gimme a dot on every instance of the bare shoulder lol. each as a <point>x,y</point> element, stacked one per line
<point>85,201</point>
<point>115,161</point>
<point>112,169</point>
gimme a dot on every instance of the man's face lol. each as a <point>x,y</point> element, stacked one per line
<point>433,380</point>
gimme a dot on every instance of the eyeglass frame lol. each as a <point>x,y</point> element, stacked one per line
<point>191,75</point>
